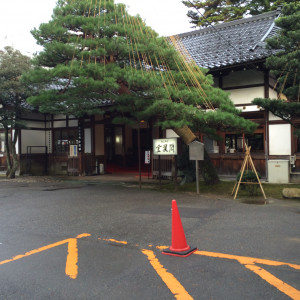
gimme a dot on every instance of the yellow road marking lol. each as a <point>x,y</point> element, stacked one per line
<point>115,241</point>
<point>271,279</point>
<point>249,263</point>
<point>72,258</point>
<point>162,247</point>
<point>172,283</point>
<point>244,260</point>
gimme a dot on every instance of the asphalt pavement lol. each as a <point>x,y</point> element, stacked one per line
<point>102,238</point>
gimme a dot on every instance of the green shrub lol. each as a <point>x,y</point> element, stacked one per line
<point>249,176</point>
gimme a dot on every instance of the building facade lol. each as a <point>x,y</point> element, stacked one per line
<point>235,55</point>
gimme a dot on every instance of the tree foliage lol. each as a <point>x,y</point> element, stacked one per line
<point>94,51</point>
<point>204,13</point>
<point>13,94</point>
<point>285,66</point>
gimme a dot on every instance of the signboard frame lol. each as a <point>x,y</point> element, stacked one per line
<point>166,146</point>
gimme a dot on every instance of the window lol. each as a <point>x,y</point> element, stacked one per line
<point>256,141</point>
<point>234,142</point>
<point>63,138</point>
<point>2,142</point>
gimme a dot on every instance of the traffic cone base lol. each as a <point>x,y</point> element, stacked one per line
<point>180,253</point>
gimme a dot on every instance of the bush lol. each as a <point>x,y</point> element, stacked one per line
<point>249,176</point>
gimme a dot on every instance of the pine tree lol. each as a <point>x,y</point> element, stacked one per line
<point>95,51</point>
<point>285,66</point>
<point>13,94</point>
<point>204,13</point>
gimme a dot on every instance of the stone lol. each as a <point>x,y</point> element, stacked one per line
<point>291,193</point>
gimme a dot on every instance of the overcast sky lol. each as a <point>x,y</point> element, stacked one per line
<point>18,17</point>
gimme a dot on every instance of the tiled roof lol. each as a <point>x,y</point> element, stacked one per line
<point>231,43</point>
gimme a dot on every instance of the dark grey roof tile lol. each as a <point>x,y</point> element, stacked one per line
<point>232,42</point>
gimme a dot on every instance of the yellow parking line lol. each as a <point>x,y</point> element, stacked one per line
<point>114,241</point>
<point>249,263</point>
<point>271,279</point>
<point>72,258</point>
<point>172,283</point>
<point>244,260</point>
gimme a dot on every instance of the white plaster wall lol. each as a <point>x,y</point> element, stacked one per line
<point>273,117</point>
<point>73,123</point>
<point>33,138</point>
<point>280,139</point>
<point>35,124</point>
<point>56,117</point>
<point>170,133</point>
<point>272,94</point>
<point>245,96</point>
<point>61,123</point>
<point>57,124</point>
<point>241,78</point>
<point>248,108</point>
<point>87,140</point>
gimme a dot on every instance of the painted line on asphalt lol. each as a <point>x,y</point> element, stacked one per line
<point>271,279</point>
<point>248,262</point>
<point>71,269</point>
<point>173,284</point>
<point>114,241</point>
<point>244,260</point>
<point>72,259</point>
<point>168,278</point>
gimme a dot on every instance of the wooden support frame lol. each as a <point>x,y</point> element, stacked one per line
<point>247,160</point>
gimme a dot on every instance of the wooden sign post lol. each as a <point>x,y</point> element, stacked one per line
<point>196,151</point>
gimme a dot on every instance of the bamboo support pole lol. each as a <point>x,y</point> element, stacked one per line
<point>247,160</point>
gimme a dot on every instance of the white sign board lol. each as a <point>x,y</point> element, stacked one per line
<point>147,157</point>
<point>165,146</point>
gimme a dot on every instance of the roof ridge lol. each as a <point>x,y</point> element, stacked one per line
<point>231,23</point>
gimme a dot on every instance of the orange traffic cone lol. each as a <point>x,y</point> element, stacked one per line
<point>179,245</point>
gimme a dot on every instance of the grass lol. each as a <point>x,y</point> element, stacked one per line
<point>224,188</point>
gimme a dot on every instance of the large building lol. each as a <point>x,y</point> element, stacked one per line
<point>235,55</point>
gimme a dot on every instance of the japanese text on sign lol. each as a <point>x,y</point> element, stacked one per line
<point>165,146</point>
<point>147,157</point>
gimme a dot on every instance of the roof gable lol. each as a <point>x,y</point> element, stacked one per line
<point>231,43</point>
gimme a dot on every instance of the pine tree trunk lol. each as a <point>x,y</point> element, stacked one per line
<point>208,170</point>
